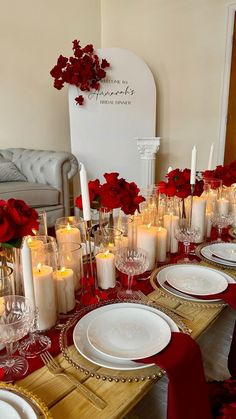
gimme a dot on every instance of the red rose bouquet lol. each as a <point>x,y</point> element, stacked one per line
<point>84,70</point>
<point>226,173</point>
<point>178,184</point>
<point>17,219</point>
<point>114,193</point>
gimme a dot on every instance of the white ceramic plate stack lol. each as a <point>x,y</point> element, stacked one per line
<point>183,279</point>
<point>221,253</point>
<point>112,336</point>
<point>13,406</point>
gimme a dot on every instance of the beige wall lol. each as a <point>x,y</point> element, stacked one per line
<point>32,35</point>
<point>183,43</point>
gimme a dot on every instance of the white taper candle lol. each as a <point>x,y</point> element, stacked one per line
<point>193,166</point>
<point>85,193</point>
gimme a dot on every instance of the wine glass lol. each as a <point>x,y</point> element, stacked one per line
<point>16,317</point>
<point>131,261</point>
<point>186,234</point>
<point>221,220</point>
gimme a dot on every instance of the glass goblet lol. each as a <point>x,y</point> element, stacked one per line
<point>186,234</point>
<point>16,316</point>
<point>221,221</point>
<point>131,261</point>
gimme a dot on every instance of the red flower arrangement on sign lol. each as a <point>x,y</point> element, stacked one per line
<point>114,193</point>
<point>226,173</point>
<point>178,184</point>
<point>17,220</point>
<point>84,70</point>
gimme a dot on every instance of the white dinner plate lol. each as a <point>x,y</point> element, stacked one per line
<point>7,411</point>
<point>18,403</point>
<point>208,253</point>
<point>89,352</point>
<point>195,279</point>
<point>226,251</point>
<point>129,333</point>
<point>161,280</point>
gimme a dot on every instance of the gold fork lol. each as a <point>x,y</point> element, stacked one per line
<point>55,369</point>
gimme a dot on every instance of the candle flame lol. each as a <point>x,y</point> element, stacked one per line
<point>39,267</point>
<point>149,225</point>
<point>63,269</point>
<point>68,226</point>
<point>106,253</point>
<point>34,231</point>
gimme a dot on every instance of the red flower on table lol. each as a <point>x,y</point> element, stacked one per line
<point>17,219</point>
<point>178,184</point>
<point>84,70</point>
<point>114,193</point>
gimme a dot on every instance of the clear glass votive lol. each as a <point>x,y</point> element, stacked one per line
<point>69,229</point>
<point>70,257</point>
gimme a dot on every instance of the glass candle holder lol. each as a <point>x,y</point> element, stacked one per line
<point>68,229</point>
<point>70,257</point>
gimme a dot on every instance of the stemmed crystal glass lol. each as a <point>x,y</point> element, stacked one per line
<point>221,221</point>
<point>131,261</point>
<point>16,317</point>
<point>186,234</point>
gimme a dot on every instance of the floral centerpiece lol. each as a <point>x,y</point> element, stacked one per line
<point>178,184</point>
<point>225,173</point>
<point>114,193</point>
<point>83,70</point>
<point>17,220</point>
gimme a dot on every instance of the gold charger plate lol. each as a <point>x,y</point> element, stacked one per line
<point>34,401</point>
<point>92,370</point>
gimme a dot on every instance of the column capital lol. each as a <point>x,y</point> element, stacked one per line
<point>148,147</point>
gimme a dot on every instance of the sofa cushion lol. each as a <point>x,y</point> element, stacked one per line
<point>34,194</point>
<point>9,172</point>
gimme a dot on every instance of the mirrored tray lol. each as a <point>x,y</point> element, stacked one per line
<point>90,369</point>
<point>34,401</point>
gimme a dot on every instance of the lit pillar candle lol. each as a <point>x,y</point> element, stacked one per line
<point>170,222</point>
<point>161,244</point>
<point>106,271</point>
<point>85,193</point>
<point>65,290</point>
<point>147,240</point>
<point>208,224</point>
<point>27,271</point>
<point>45,296</point>
<point>223,206</point>
<point>198,217</point>
<point>68,234</point>
<point>193,166</point>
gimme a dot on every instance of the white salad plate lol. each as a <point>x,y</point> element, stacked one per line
<point>84,347</point>
<point>161,279</point>
<point>208,253</point>
<point>226,251</point>
<point>197,280</point>
<point>15,406</point>
<point>128,333</point>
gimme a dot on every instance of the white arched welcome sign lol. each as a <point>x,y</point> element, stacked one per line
<point>105,129</point>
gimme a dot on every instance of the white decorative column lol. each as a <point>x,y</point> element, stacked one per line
<point>148,147</point>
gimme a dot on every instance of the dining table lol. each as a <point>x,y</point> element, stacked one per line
<point>121,395</point>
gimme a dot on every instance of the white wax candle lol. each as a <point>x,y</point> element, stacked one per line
<point>198,217</point>
<point>65,290</point>
<point>85,193</point>
<point>75,265</point>
<point>161,244</point>
<point>147,240</point>
<point>208,224</point>
<point>233,207</point>
<point>193,166</point>
<point>45,296</point>
<point>170,222</point>
<point>27,271</point>
<point>106,271</point>
<point>68,234</point>
<point>223,206</point>
<point>169,169</point>
<point>209,167</point>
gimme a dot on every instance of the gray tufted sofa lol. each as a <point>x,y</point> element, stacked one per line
<point>45,184</point>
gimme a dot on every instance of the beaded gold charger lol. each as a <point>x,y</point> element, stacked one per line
<point>91,369</point>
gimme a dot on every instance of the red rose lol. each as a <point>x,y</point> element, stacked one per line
<point>24,217</point>
<point>94,191</point>
<point>6,227</point>
<point>79,100</point>
<point>105,63</point>
<point>58,84</point>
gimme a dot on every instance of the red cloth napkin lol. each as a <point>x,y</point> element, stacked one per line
<point>187,388</point>
<point>228,296</point>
